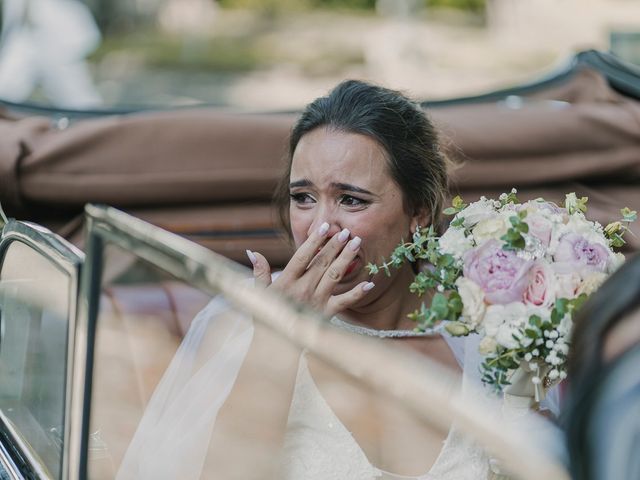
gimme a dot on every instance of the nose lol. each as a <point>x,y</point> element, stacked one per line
<point>325,215</point>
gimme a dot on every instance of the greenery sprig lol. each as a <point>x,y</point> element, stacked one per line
<point>457,205</point>
<point>506,198</point>
<point>441,274</point>
<point>574,204</point>
<point>513,238</point>
<point>496,367</point>
<point>615,230</point>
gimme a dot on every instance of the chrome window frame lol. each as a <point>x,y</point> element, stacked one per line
<point>176,255</point>
<point>391,373</point>
<point>67,259</point>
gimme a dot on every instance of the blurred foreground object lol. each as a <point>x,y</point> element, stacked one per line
<point>602,414</point>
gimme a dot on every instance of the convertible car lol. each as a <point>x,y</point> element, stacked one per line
<point>209,175</point>
<point>95,300</point>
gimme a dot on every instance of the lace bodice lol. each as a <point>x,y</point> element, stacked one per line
<point>318,446</point>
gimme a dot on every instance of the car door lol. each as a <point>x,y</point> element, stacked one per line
<point>145,296</point>
<point>39,278</point>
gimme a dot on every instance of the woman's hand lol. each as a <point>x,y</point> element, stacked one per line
<point>314,271</point>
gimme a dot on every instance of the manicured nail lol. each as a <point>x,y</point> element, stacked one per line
<point>354,244</point>
<point>368,286</point>
<point>252,257</point>
<point>324,228</point>
<point>343,235</point>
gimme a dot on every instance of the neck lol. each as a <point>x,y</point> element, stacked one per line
<point>389,310</point>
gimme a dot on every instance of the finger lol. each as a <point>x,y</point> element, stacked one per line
<point>261,268</point>
<point>340,303</point>
<point>325,259</point>
<point>334,273</point>
<point>307,251</point>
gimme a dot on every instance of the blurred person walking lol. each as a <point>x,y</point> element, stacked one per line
<point>44,43</point>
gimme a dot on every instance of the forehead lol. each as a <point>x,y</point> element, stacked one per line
<point>325,155</point>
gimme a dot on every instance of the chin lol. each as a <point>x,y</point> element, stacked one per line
<point>350,281</point>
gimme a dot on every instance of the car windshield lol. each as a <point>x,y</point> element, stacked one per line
<point>280,54</point>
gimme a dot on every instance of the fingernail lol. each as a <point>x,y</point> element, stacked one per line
<point>354,244</point>
<point>252,257</point>
<point>324,228</point>
<point>368,286</point>
<point>343,235</point>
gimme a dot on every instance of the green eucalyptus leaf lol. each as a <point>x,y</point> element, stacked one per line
<point>535,320</point>
<point>440,305</point>
<point>629,215</point>
<point>458,222</point>
<point>458,203</point>
<point>457,329</point>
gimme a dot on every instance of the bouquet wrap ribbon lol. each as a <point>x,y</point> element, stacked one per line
<point>523,394</point>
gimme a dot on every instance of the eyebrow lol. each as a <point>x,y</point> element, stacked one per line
<point>338,186</point>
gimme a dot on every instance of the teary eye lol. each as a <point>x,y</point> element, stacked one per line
<point>301,198</point>
<point>351,201</point>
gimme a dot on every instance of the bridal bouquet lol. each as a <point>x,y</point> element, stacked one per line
<point>515,273</point>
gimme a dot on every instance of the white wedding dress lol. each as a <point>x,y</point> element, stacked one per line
<point>319,447</point>
<point>172,438</point>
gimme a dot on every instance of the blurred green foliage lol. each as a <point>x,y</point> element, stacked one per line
<point>162,51</point>
<point>292,5</point>
<point>469,5</point>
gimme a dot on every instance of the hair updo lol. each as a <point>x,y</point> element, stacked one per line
<point>395,122</point>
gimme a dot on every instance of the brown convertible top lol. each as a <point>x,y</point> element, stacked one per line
<point>209,174</point>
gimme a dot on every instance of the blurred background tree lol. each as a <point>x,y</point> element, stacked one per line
<point>273,54</point>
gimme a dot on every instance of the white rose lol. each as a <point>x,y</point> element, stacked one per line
<point>591,283</point>
<point>565,326</point>
<point>487,345</point>
<point>589,230</point>
<point>473,301</point>
<point>490,228</point>
<point>455,242</point>
<point>567,284</point>
<point>505,336</point>
<point>615,262</point>
<point>504,321</point>
<point>477,211</point>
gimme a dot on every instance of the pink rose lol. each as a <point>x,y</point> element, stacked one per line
<point>541,289</point>
<point>501,274</point>
<point>577,253</point>
<point>540,228</point>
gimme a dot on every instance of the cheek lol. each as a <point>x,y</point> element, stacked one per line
<point>300,224</point>
<point>381,233</point>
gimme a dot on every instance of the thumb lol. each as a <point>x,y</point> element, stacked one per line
<point>261,268</point>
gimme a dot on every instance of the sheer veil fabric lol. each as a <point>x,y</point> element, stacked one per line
<point>173,438</point>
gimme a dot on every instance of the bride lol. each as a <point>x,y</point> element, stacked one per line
<point>364,171</point>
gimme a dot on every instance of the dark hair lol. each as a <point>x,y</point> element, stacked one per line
<point>395,122</point>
